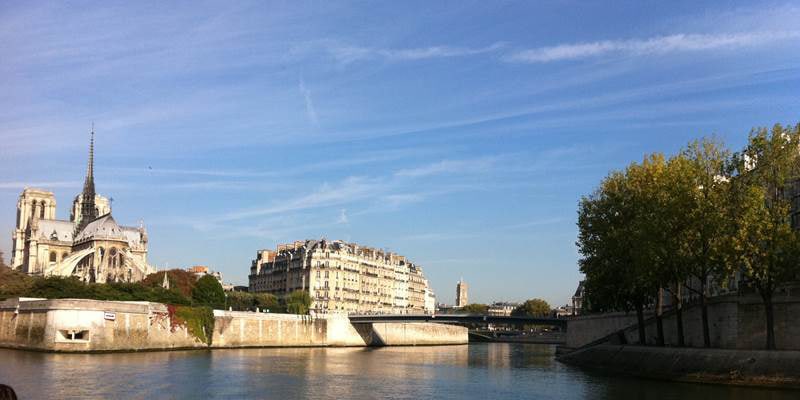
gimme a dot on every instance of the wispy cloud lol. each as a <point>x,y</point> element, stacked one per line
<point>346,54</point>
<point>535,223</point>
<point>449,166</point>
<point>654,45</point>
<point>437,236</point>
<point>350,189</point>
<point>45,185</point>
<point>342,217</point>
<point>311,112</point>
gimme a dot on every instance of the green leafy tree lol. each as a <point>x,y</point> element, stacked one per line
<point>763,244</point>
<point>610,240</point>
<point>243,301</point>
<point>532,308</point>
<point>14,283</point>
<point>208,292</point>
<point>653,225</point>
<point>240,301</point>
<point>298,302</point>
<point>266,301</point>
<point>475,308</point>
<point>674,196</point>
<point>707,219</point>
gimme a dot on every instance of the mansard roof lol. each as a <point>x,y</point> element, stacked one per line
<point>53,229</point>
<point>102,228</point>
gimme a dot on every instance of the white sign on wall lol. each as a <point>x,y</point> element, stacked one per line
<point>110,316</point>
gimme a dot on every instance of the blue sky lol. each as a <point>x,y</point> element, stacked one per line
<point>460,134</point>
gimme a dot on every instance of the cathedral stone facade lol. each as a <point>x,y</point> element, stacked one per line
<point>90,246</point>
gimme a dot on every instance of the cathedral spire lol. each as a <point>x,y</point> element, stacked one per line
<point>88,209</point>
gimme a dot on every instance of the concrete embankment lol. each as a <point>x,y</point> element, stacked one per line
<point>246,329</point>
<point>738,367</point>
<point>735,322</point>
<point>77,325</point>
<point>74,325</point>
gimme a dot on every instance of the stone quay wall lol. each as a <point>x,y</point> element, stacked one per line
<point>246,329</point>
<point>416,333</point>
<point>735,322</point>
<point>74,325</point>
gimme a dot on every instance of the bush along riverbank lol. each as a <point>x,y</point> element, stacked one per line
<point>199,321</point>
<point>719,366</point>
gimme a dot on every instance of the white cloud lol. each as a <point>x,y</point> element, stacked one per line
<point>346,54</point>
<point>351,189</point>
<point>311,112</point>
<point>449,166</point>
<point>655,45</point>
<point>342,217</point>
<point>43,185</point>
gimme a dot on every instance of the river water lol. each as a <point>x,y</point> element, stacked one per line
<point>476,371</point>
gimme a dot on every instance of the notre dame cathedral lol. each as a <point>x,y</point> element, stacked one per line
<point>90,246</point>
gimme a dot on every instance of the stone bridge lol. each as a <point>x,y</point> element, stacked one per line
<point>461,319</point>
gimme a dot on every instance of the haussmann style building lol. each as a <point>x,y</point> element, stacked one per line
<point>343,277</point>
<point>90,245</point>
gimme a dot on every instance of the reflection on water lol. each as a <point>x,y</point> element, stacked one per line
<point>480,371</point>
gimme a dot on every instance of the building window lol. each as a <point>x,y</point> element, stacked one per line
<point>53,256</point>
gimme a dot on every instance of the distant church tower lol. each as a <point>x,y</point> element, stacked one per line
<point>461,293</point>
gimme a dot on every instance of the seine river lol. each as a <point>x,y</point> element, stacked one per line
<point>478,371</point>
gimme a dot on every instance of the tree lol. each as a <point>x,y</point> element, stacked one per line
<point>2,260</point>
<point>655,223</point>
<point>14,283</point>
<point>179,279</point>
<point>611,241</point>
<point>706,218</point>
<point>240,301</point>
<point>243,301</point>
<point>298,302</point>
<point>208,292</point>
<point>266,301</point>
<point>475,308</point>
<point>532,308</point>
<point>763,243</point>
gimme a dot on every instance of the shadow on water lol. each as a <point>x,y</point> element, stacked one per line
<point>478,371</point>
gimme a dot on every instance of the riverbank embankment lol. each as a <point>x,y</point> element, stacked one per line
<point>79,325</point>
<point>735,322</point>
<point>722,366</point>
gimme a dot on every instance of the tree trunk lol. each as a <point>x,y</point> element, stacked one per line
<point>768,310</point>
<point>659,319</point>
<point>704,314</point>
<point>640,319</point>
<point>679,315</point>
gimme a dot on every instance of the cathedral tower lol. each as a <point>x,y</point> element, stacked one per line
<point>89,211</point>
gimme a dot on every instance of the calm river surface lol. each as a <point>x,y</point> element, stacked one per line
<point>478,371</point>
